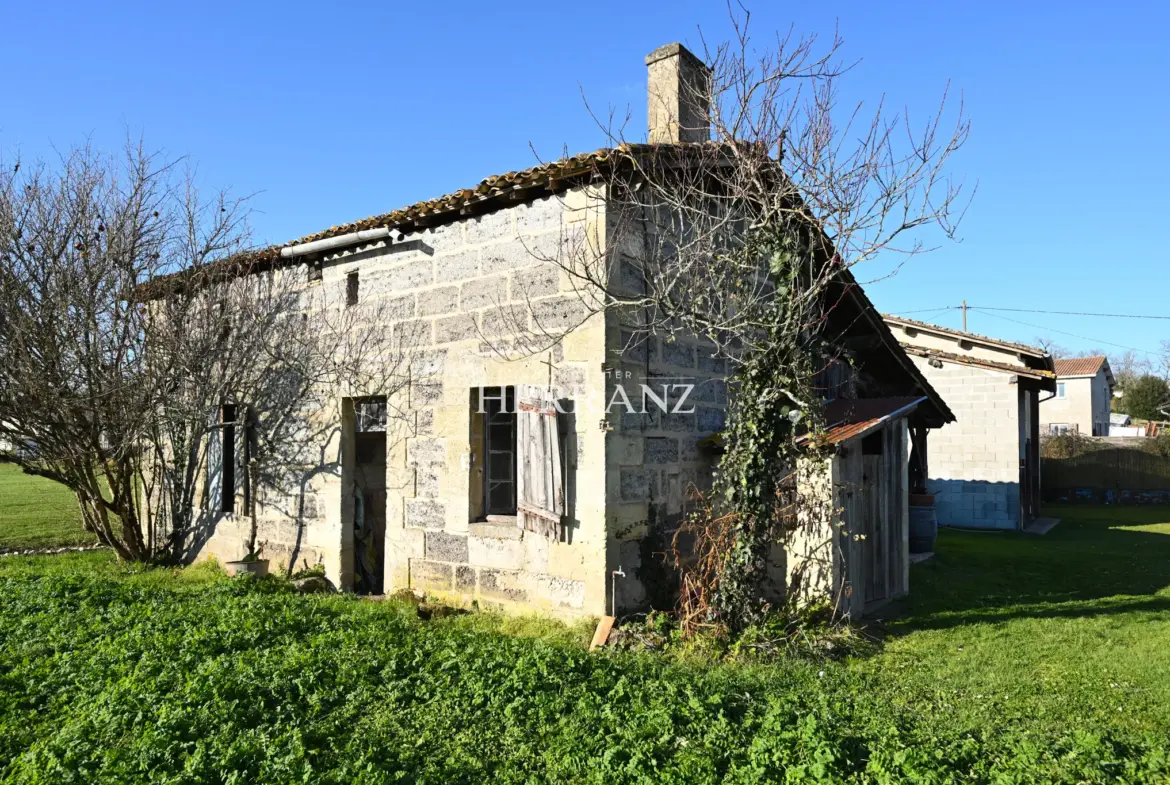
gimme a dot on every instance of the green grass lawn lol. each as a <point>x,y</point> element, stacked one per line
<point>1016,660</point>
<point>37,513</point>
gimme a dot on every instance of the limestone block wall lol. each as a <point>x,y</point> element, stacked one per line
<point>653,456</point>
<point>481,307</point>
<point>472,303</point>
<point>975,461</point>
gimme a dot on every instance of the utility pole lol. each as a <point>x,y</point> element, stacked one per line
<point>964,316</point>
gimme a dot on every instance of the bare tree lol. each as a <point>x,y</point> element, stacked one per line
<point>127,355</point>
<point>740,228</point>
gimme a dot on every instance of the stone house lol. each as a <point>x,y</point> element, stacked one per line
<point>506,477</point>
<point>984,469</point>
<point>1084,396</point>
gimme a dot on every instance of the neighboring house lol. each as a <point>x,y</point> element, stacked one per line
<point>984,469</point>
<point>499,496</point>
<point>1084,392</point>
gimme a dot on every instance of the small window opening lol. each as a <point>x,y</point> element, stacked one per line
<point>315,272</point>
<point>351,289</point>
<point>493,451</point>
<point>872,444</point>
<point>227,501</point>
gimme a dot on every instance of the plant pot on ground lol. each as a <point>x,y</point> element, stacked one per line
<point>251,564</point>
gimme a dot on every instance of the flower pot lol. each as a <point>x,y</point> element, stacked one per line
<point>257,567</point>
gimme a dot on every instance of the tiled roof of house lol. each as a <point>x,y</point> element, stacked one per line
<point>1019,347</point>
<point>966,359</point>
<point>516,186</point>
<point>1079,366</point>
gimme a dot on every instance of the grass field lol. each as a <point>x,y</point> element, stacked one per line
<point>1015,660</point>
<point>37,513</point>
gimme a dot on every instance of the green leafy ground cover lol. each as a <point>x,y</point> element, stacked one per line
<point>1016,660</point>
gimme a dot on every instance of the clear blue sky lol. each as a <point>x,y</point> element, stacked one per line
<point>330,112</point>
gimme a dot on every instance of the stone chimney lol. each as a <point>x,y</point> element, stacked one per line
<point>679,93</point>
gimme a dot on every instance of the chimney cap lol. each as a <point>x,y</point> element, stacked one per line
<point>673,50</point>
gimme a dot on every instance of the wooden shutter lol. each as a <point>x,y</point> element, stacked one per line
<point>540,493</point>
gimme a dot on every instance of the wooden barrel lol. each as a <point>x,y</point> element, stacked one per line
<point>923,528</point>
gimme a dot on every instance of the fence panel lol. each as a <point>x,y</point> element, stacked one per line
<point>1114,474</point>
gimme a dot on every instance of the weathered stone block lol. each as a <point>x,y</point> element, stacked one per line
<point>494,530</point>
<point>656,449</point>
<point>425,513</point>
<point>489,226</point>
<point>686,421</point>
<point>561,592</point>
<point>540,281</point>
<point>635,484</point>
<point>444,299</point>
<point>396,308</point>
<point>483,293</point>
<point>431,576</point>
<point>410,275</point>
<point>504,257</point>
<point>716,366</point>
<point>425,394</point>
<point>558,314</point>
<point>458,266</point>
<point>465,578</point>
<point>503,554</point>
<point>501,584</point>
<point>710,419</point>
<point>428,363</point>
<point>426,452</point>
<point>535,553</point>
<point>442,546</point>
<point>413,333</point>
<point>571,381</point>
<point>504,320</point>
<point>678,353</point>
<point>426,482</point>
<point>459,327</point>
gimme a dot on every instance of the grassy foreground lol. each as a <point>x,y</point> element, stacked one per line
<point>1016,660</point>
<point>37,513</point>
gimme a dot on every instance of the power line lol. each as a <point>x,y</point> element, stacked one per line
<point>1071,335</point>
<point>1034,310</point>
<point>1071,313</point>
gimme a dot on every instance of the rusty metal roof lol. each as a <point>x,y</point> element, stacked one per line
<point>849,419</point>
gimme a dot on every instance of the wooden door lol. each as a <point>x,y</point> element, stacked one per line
<point>875,547</point>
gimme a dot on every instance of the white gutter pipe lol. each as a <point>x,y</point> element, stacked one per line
<point>364,236</point>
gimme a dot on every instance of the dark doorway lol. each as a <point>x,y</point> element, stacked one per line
<point>369,489</point>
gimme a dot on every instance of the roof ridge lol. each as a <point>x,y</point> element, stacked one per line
<point>1038,350</point>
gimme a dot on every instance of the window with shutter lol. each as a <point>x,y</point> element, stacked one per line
<point>540,494</point>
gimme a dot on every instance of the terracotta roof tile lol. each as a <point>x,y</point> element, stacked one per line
<point>521,185</point>
<point>1079,366</point>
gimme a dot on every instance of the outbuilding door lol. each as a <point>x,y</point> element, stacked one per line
<point>875,547</point>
